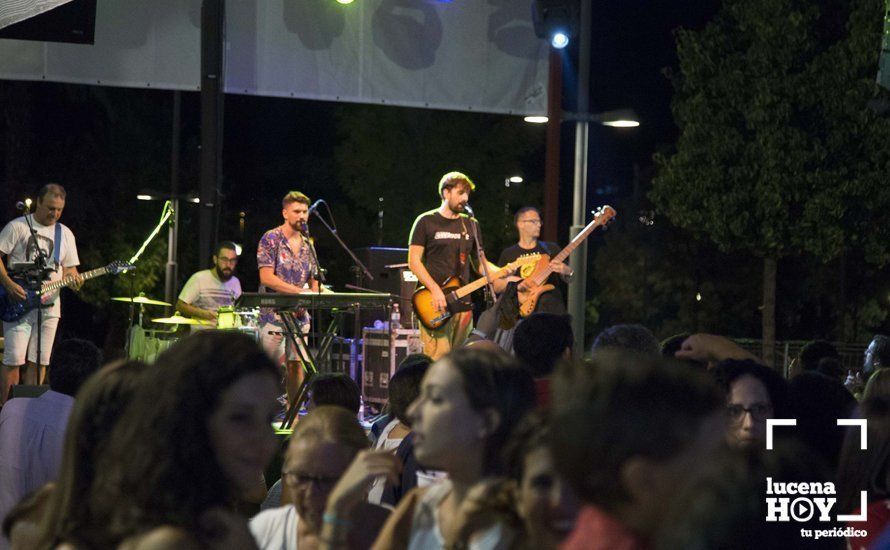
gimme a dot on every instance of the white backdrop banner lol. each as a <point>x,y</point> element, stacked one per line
<point>473,55</point>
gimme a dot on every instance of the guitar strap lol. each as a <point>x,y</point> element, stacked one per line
<point>57,244</point>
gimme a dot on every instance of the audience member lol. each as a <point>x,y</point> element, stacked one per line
<point>32,429</point>
<point>815,351</point>
<point>753,393</point>
<point>539,342</point>
<point>867,470</point>
<point>877,355</point>
<point>385,417</point>
<point>100,403</point>
<point>21,526</point>
<point>627,433</point>
<point>635,338</point>
<point>470,401</point>
<point>326,443</point>
<point>817,402</point>
<point>334,389</point>
<point>404,388</point>
<point>195,439</point>
<point>724,506</point>
<point>878,386</point>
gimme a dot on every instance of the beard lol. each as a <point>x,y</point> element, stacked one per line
<point>457,208</point>
<point>224,274</point>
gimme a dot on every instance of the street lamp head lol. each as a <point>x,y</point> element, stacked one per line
<point>536,119</point>
<point>622,123</point>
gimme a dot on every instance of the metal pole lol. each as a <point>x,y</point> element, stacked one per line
<point>551,154</point>
<point>578,260</point>
<point>212,88</point>
<point>171,274</point>
<point>172,240</point>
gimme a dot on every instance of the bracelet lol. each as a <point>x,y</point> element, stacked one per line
<point>335,521</point>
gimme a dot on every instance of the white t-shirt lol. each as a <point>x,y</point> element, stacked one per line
<point>276,528</point>
<point>375,495</point>
<point>206,291</point>
<point>17,244</point>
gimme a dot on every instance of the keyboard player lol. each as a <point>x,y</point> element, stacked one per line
<point>286,265</point>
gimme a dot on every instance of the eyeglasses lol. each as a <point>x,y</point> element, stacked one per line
<point>759,411</point>
<point>294,479</point>
<point>534,222</point>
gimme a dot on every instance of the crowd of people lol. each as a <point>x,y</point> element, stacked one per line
<point>640,445</point>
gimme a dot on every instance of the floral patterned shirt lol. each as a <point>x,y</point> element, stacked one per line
<point>294,267</point>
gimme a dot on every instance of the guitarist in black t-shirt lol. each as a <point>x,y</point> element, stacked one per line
<point>440,247</point>
<point>528,225</point>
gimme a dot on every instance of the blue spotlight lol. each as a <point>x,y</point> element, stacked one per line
<point>559,40</point>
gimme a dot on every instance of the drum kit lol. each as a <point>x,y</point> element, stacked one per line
<point>145,344</point>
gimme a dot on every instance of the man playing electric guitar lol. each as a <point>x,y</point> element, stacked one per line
<point>440,246</point>
<point>528,225</point>
<point>18,246</point>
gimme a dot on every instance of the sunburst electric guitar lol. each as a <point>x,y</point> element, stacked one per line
<point>432,318</point>
<point>532,286</point>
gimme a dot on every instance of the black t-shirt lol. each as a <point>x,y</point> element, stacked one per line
<point>549,302</point>
<point>448,245</point>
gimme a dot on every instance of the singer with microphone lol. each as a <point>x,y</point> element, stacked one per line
<point>440,248</point>
<point>54,242</point>
<point>287,264</point>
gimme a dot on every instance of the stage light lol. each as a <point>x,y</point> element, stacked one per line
<point>559,40</point>
<point>536,119</point>
<point>238,249</point>
<point>555,20</point>
<point>144,197</point>
<point>344,2</point>
<point>516,179</point>
<point>698,296</point>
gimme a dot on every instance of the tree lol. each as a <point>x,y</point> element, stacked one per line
<point>778,154</point>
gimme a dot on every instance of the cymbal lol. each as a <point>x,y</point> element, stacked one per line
<point>141,300</point>
<point>180,320</point>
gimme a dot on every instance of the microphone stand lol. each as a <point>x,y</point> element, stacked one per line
<point>480,251</point>
<point>342,244</point>
<point>42,271</point>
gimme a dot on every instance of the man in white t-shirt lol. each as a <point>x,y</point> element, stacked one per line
<point>208,290</point>
<point>18,246</point>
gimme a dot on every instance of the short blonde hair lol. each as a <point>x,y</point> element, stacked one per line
<point>453,179</point>
<point>294,196</point>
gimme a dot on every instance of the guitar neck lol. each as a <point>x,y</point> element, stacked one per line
<point>479,283</point>
<point>565,252</point>
<point>68,281</point>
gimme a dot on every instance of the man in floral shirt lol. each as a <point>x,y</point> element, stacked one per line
<point>284,259</point>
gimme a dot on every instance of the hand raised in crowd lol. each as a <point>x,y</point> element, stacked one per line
<point>710,348</point>
<point>353,486</point>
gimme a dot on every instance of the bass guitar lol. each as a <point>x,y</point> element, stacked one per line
<point>531,288</point>
<point>432,318</point>
<point>11,311</point>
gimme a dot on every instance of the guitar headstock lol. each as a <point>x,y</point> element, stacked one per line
<point>604,214</point>
<point>119,266</point>
<point>525,259</point>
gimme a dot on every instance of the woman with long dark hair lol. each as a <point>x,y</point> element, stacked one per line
<point>195,439</point>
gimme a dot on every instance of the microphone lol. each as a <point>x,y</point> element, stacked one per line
<point>20,205</point>
<point>469,211</point>
<point>315,206</point>
<point>304,228</point>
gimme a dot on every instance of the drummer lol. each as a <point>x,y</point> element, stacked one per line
<point>208,290</point>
